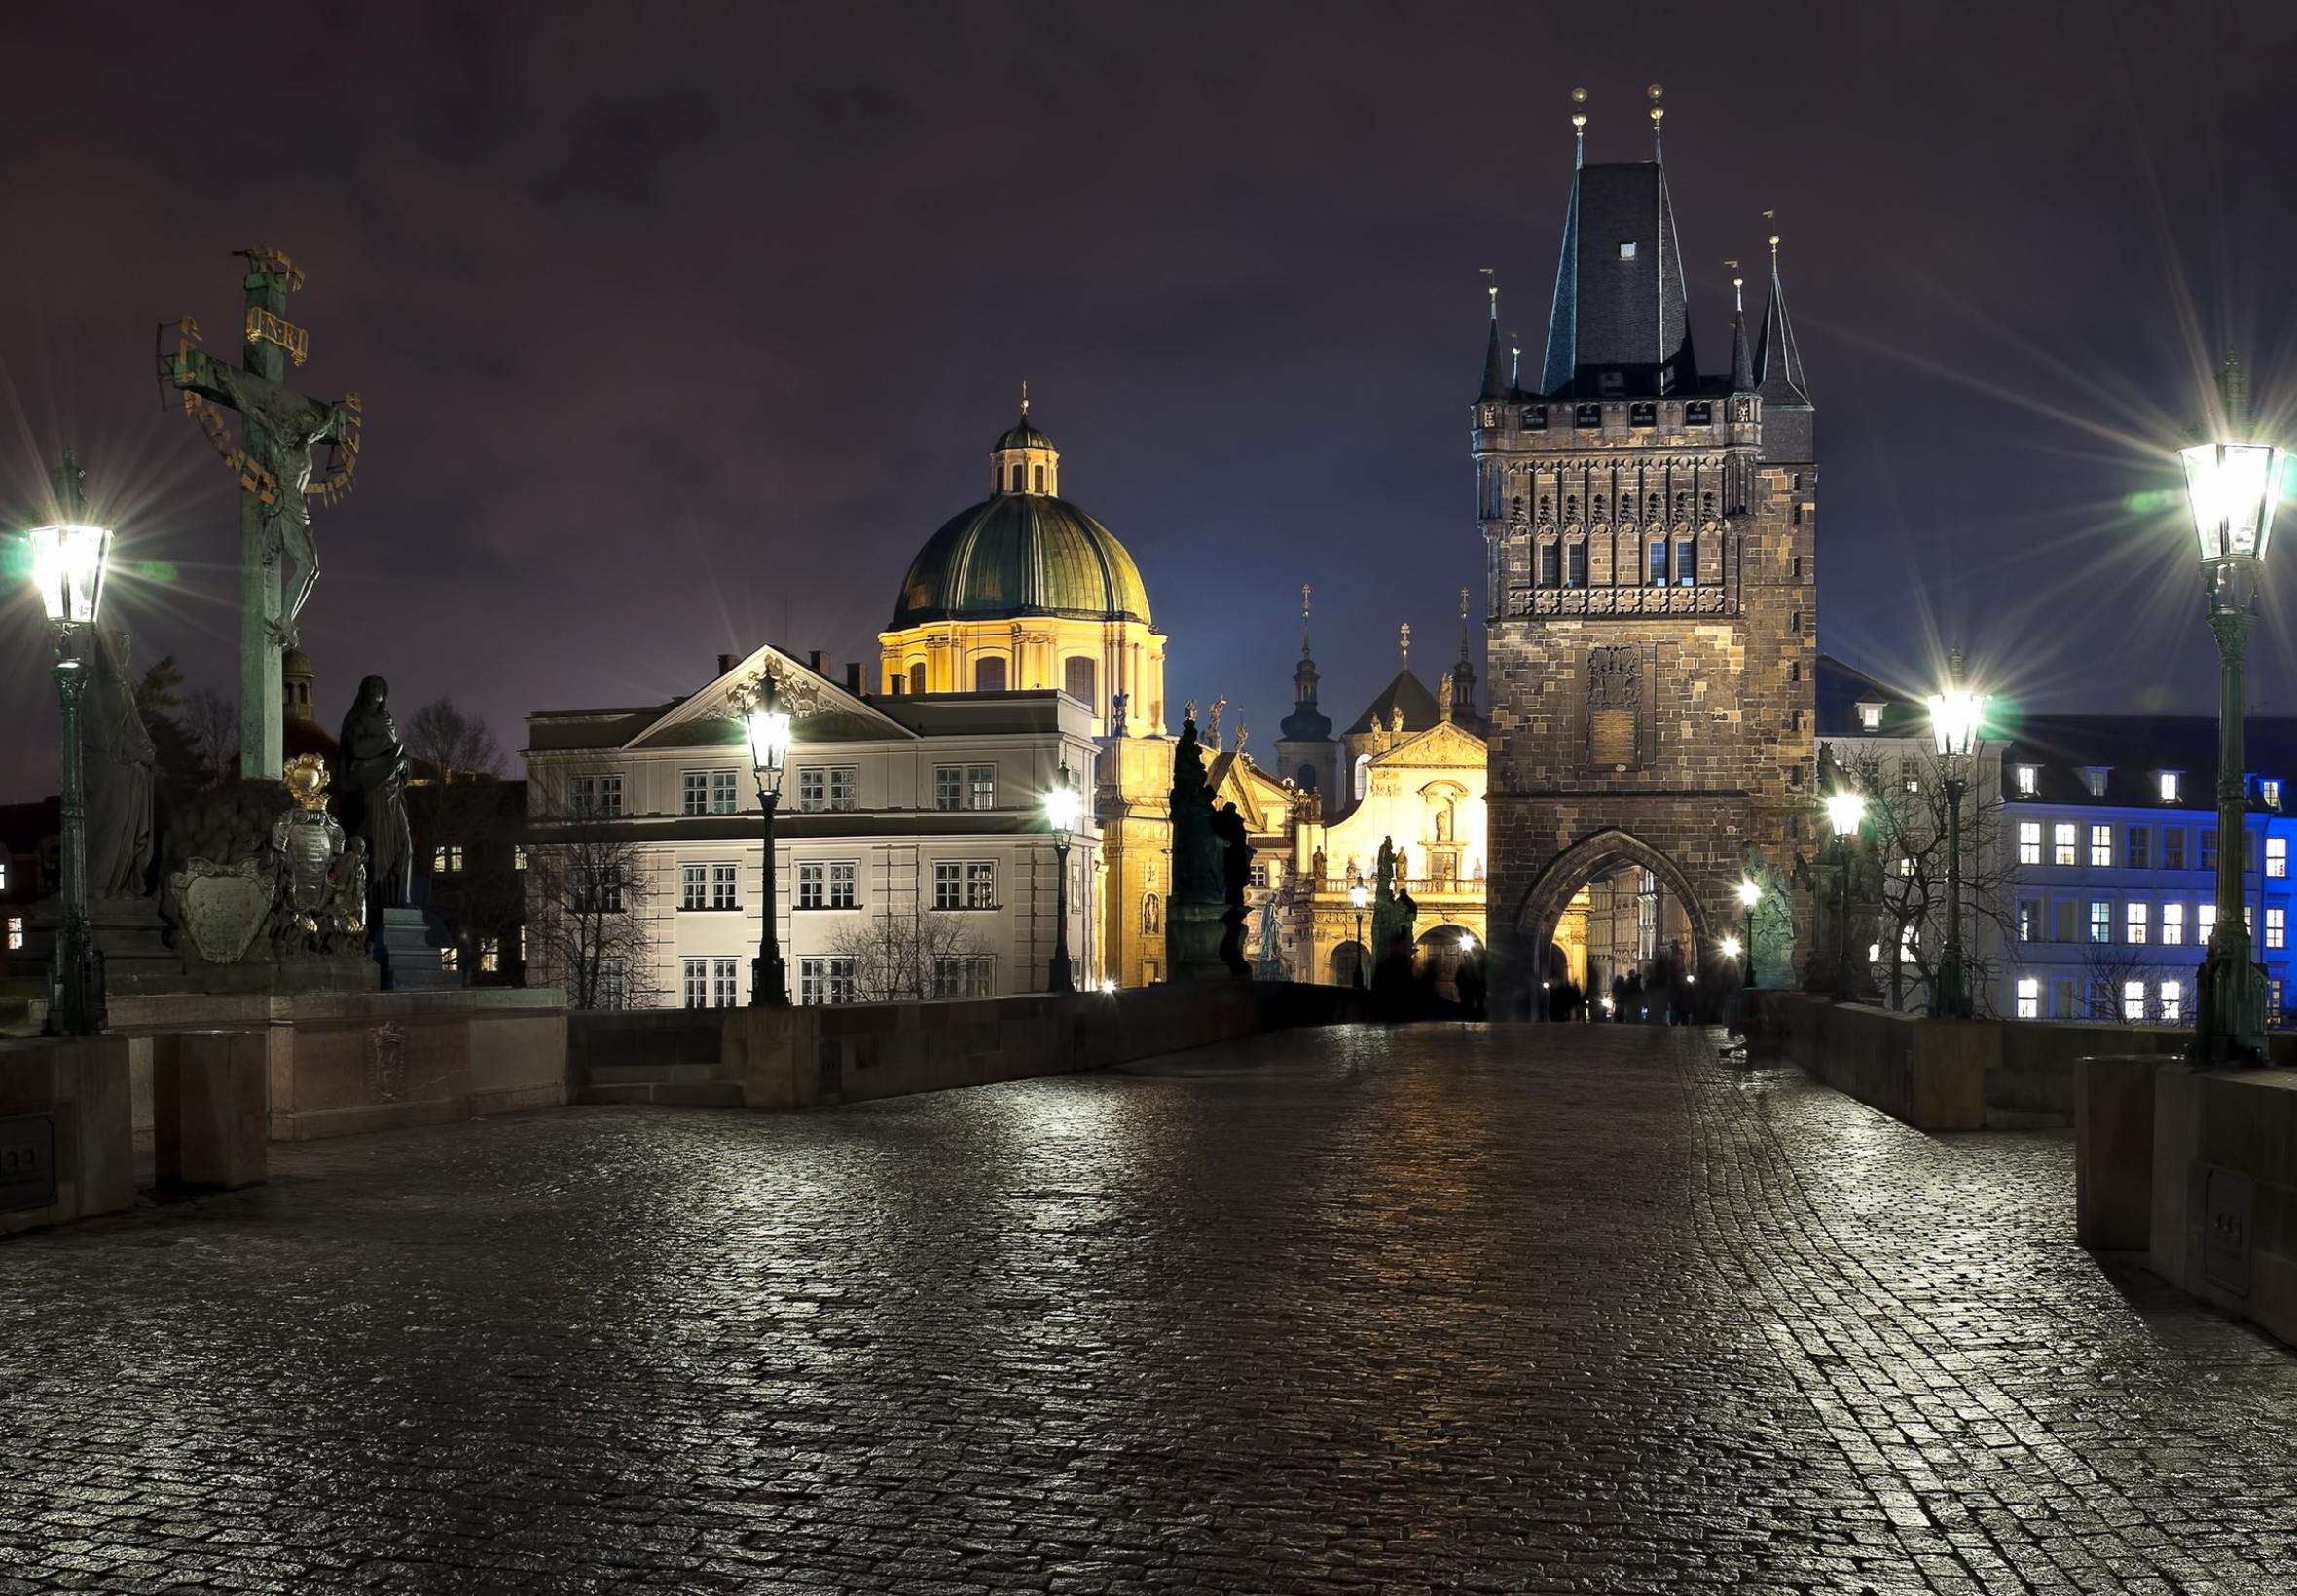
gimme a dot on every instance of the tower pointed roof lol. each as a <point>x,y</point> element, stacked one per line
<point>1406,693</point>
<point>1621,323</point>
<point>1743,360</point>
<point>1495,373</point>
<point>1779,364</point>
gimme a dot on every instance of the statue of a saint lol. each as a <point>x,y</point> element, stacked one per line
<point>374,796</point>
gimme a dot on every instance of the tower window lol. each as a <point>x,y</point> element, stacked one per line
<point>917,677</point>
<point>1686,564</point>
<point>1659,564</point>
<point>1076,673</point>
<point>1550,565</point>
<point>1574,565</point>
<point>989,674</point>
<point>1017,478</point>
<point>1643,414</point>
<point>1589,417</point>
<point>1699,412</point>
<point>1039,474</point>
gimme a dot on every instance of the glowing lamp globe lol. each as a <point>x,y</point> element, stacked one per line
<point>1749,894</point>
<point>1955,717</point>
<point>1360,895</point>
<point>1845,810</point>
<point>767,725</point>
<point>1730,946</point>
<point>1062,806</point>
<point>2233,489</point>
<point>68,561</point>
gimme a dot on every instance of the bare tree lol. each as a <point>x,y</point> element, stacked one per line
<point>1906,816</point>
<point>586,890</point>
<point>457,745</point>
<point>898,957</point>
<point>2110,967</point>
<point>211,724</point>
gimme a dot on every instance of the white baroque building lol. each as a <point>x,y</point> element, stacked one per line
<point>911,842</point>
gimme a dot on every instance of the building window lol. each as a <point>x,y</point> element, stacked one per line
<point>2204,923</point>
<point>1627,251</point>
<point>2277,928</point>
<point>2133,924</point>
<point>1550,565</point>
<point>827,886</point>
<point>949,786</point>
<point>2133,1001</point>
<point>2062,843</point>
<point>16,931</point>
<point>822,981</point>
<point>2172,848</point>
<point>2101,922</point>
<point>1257,874</point>
<point>518,857</point>
<point>2171,996</point>
<point>1587,417</point>
<point>2134,849</point>
<point>964,975</point>
<point>2167,780</point>
<point>2173,924</point>
<point>2029,842</point>
<point>2027,780</point>
<point>1574,565</point>
<point>695,785</point>
<point>964,886</point>
<point>989,674</point>
<point>2277,855</point>
<point>2207,848</point>
<point>1659,564</point>
<point>722,894</point>
<point>1643,413</point>
<point>3,875</point>
<point>1687,565</point>
<point>980,786</point>
<point>1699,412</point>
<point>490,955</point>
<point>597,890</point>
<point>693,886</point>
<point>2102,847</point>
<point>2029,921</point>
<point>980,885</point>
<point>596,797</point>
<point>1077,673</point>
<point>1870,717</point>
<point>694,982</point>
<point>450,957</point>
<point>614,982</point>
<point>917,677</point>
<point>447,859</point>
<point>826,787</point>
<point>2029,997</point>
<point>2094,777</point>
<point>2269,793</point>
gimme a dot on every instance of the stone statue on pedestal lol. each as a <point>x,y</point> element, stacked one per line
<point>1194,922</point>
<point>1771,938</point>
<point>375,771</point>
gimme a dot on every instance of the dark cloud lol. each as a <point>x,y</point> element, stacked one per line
<point>680,327</point>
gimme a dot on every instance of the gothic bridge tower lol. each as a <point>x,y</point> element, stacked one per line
<point>1653,608</point>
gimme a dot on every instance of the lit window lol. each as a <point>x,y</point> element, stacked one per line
<point>1870,717</point>
<point>2029,921</point>
<point>446,858</point>
<point>2094,776</point>
<point>2173,924</point>
<point>2277,855</point>
<point>2101,846</point>
<point>2277,928</point>
<point>16,931</point>
<point>2029,997</point>
<point>3,875</point>
<point>2029,842</point>
<point>2062,843</point>
<point>2168,784</point>
<point>451,959</point>
<point>1258,875</point>
<point>2133,924</point>
<point>2133,1001</point>
<point>490,955</point>
<point>980,786</point>
<point>721,887</point>
<point>1627,251</point>
<point>980,885</point>
<point>518,859</point>
<point>2269,793</point>
<point>2204,922</point>
<point>2028,779</point>
<point>2171,996</point>
<point>2101,922</point>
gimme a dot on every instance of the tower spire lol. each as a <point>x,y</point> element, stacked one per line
<point>1463,674</point>
<point>1742,363</point>
<point>1494,383</point>
<point>1778,363</point>
<point>1305,724</point>
<point>1657,112</point>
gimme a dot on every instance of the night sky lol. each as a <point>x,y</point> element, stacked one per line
<point>679,328</point>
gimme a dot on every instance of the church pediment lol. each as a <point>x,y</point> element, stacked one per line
<point>1444,743</point>
<point>823,711</point>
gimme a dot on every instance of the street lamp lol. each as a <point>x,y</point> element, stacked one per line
<point>1845,814</point>
<point>1360,896</point>
<point>1063,804</point>
<point>68,561</point>
<point>1956,718</point>
<point>767,725</point>
<point>2233,487</point>
<point>1750,893</point>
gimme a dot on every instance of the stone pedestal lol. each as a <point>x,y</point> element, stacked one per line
<point>2114,1151</point>
<point>409,959</point>
<point>211,1102</point>
<point>66,1138</point>
<point>126,932</point>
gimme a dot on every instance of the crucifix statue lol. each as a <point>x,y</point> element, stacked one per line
<point>278,428</point>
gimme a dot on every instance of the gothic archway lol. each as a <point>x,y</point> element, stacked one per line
<point>1539,911</point>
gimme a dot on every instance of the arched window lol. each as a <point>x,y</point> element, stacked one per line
<point>1019,468</point>
<point>1077,680</point>
<point>1040,472</point>
<point>1550,565</point>
<point>1686,564</point>
<point>917,677</point>
<point>1306,779</point>
<point>989,674</point>
<point>1659,564</point>
<point>1362,774</point>
<point>1574,565</point>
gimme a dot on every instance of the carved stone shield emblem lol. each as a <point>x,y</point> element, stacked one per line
<point>223,908</point>
<point>386,1061</point>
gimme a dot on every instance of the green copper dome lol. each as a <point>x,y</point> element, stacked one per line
<point>1022,554</point>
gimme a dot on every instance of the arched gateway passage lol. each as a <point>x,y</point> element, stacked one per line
<point>1609,906</point>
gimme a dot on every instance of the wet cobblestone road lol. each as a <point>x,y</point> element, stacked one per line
<point>1514,1310</point>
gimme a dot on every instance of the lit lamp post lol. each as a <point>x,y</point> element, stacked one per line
<point>1845,813</point>
<point>1955,718</point>
<point>1750,893</point>
<point>767,725</point>
<point>1731,949</point>
<point>68,570</point>
<point>2233,487</point>
<point>1360,896</point>
<point>1063,804</point>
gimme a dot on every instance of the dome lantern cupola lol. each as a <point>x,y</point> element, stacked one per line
<point>1023,460</point>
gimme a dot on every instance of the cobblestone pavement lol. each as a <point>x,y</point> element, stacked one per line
<point>1520,1309</point>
